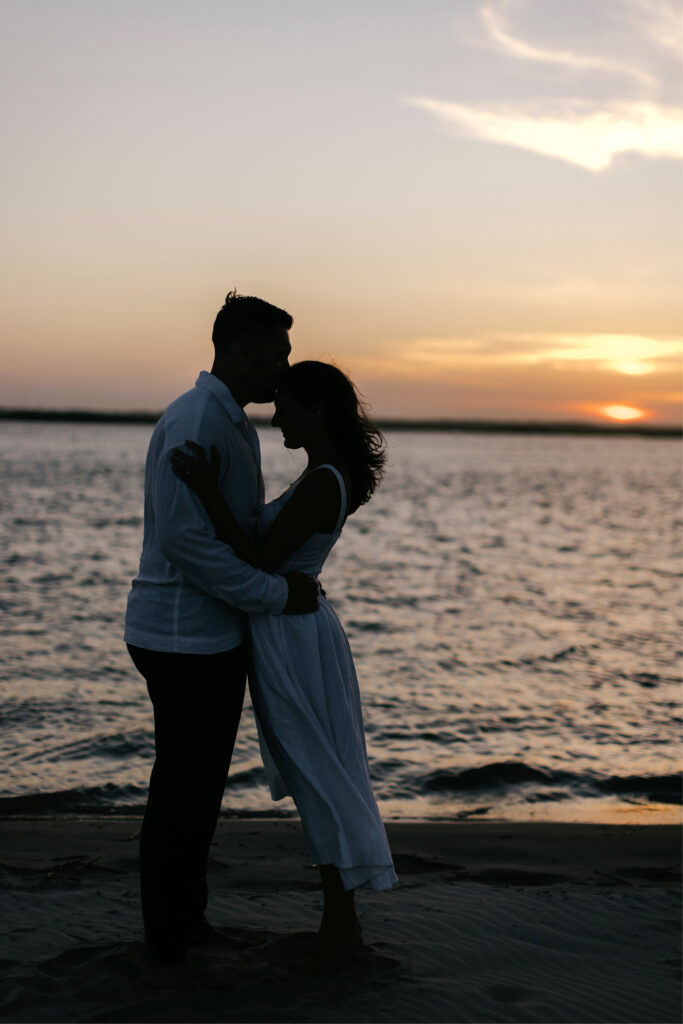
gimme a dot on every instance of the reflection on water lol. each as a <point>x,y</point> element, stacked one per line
<point>511,602</point>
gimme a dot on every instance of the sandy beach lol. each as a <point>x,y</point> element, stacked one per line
<point>492,922</point>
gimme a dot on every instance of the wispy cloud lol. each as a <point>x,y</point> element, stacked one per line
<point>498,34</point>
<point>661,21</point>
<point>587,136</point>
<point>629,354</point>
<point>586,133</point>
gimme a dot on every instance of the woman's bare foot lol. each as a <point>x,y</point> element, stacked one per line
<point>340,935</point>
<point>335,947</point>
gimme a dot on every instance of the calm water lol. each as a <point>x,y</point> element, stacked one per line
<point>512,603</point>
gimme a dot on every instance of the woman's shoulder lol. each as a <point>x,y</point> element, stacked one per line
<point>323,487</point>
<point>331,478</point>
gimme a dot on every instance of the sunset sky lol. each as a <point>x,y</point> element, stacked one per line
<point>473,207</point>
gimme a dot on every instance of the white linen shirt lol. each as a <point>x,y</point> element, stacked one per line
<point>192,591</point>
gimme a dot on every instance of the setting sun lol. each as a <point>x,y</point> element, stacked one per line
<point>622,412</point>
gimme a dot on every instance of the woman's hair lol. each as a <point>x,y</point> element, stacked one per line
<point>355,437</point>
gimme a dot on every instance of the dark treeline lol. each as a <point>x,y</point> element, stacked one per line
<point>78,416</point>
<point>478,426</point>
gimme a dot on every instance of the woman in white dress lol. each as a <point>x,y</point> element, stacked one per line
<point>302,678</point>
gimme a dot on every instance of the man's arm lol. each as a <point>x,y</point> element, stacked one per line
<point>188,540</point>
<point>314,507</point>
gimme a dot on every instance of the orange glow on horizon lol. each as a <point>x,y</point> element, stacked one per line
<point>622,412</point>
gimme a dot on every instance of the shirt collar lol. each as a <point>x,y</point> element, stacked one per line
<point>223,394</point>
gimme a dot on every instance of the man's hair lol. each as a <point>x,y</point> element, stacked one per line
<point>245,314</point>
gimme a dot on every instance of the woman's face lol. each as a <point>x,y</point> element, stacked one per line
<point>298,425</point>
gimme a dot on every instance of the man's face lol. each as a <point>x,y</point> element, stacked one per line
<point>270,364</point>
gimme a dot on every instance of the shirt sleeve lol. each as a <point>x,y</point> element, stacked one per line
<point>187,538</point>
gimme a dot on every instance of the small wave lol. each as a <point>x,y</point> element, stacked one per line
<point>103,524</point>
<point>17,559</point>
<point>656,788</point>
<point>49,578</point>
<point>383,736</point>
<point>118,746</point>
<point>646,679</point>
<point>491,776</point>
<point>470,568</point>
<point>108,798</point>
<point>369,627</point>
<point>548,796</point>
<point>663,789</point>
<point>96,579</point>
<point>560,655</point>
<point>18,714</point>
<point>255,776</point>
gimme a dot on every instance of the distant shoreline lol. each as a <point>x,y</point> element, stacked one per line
<point>470,426</point>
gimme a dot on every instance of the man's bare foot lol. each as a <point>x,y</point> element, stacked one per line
<point>183,976</point>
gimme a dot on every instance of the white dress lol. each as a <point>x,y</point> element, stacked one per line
<point>305,694</point>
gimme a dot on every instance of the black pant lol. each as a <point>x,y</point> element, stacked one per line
<point>197,701</point>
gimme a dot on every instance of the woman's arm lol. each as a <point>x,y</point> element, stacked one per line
<point>312,508</point>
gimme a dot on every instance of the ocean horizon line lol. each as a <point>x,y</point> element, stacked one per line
<point>384,423</point>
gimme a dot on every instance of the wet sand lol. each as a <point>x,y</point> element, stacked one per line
<point>493,921</point>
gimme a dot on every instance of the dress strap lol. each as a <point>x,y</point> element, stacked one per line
<point>342,487</point>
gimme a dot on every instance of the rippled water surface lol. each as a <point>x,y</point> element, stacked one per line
<point>512,602</point>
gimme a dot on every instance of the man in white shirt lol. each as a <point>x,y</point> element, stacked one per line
<point>185,620</point>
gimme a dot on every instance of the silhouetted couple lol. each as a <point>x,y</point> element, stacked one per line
<point>225,582</point>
